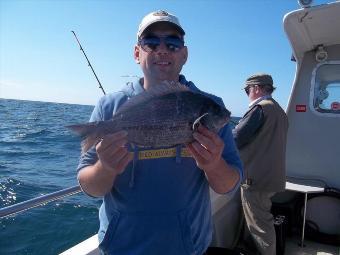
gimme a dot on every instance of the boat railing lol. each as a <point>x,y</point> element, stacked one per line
<point>38,201</point>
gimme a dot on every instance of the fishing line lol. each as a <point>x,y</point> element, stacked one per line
<point>88,61</point>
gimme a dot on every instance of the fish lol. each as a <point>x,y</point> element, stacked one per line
<point>165,115</point>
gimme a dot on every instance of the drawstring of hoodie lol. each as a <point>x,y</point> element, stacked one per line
<point>134,163</point>
<point>178,154</point>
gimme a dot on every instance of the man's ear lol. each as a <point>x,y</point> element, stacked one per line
<point>185,55</point>
<point>136,54</point>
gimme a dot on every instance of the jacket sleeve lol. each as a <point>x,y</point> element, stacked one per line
<point>248,126</point>
<point>230,154</point>
<point>90,157</point>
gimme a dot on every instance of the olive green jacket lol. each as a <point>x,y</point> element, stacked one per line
<point>264,157</point>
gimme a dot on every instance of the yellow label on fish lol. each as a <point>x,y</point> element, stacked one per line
<point>162,153</point>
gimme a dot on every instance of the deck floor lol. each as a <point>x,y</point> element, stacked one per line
<point>311,248</point>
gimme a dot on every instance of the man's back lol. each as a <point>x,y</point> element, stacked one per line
<point>264,156</point>
<point>261,138</point>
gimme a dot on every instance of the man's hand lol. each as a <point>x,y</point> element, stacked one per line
<point>113,157</point>
<point>207,149</point>
<point>112,153</point>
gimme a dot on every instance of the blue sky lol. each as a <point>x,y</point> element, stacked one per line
<point>227,41</point>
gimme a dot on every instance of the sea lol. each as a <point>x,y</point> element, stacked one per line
<point>38,156</point>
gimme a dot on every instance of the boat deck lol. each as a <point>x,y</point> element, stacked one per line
<point>89,247</point>
<point>311,247</point>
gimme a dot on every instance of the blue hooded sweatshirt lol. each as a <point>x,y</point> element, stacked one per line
<point>159,204</point>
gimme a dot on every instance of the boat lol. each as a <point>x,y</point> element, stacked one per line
<point>313,162</point>
<point>314,121</point>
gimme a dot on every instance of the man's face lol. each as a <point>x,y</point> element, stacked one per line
<point>254,92</point>
<point>161,63</point>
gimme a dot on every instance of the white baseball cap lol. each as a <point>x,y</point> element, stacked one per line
<point>158,16</point>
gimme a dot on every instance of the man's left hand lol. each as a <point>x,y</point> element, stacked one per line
<point>206,149</point>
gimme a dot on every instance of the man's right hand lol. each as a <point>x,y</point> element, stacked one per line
<point>113,157</point>
<point>112,152</point>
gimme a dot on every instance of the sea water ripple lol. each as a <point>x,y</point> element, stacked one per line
<point>38,155</point>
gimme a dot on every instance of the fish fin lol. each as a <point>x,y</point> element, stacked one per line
<point>83,129</point>
<point>197,121</point>
<point>165,88</point>
<point>88,142</point>
<point>89,134</point>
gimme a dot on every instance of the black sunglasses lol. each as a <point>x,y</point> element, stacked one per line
<point>246,89</point>
<point>151,43</point>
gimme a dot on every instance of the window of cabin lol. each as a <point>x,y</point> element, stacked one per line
<point>326,81</point>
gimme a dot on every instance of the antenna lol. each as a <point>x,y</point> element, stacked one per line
<point>129,76</point>
<point>81,48</point>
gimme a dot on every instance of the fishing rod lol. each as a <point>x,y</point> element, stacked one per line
<point>88,61</point>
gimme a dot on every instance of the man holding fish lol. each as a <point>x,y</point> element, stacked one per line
<point>153,149</point>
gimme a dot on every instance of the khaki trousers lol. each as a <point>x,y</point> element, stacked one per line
<point>259,220</point>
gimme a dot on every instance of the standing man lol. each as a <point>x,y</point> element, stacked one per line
<point>261,139</point>
<point>159,203</point>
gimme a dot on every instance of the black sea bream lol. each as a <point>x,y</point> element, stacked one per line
<point>163,116</point>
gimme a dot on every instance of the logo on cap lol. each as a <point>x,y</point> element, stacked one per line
<point>160,13</point>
